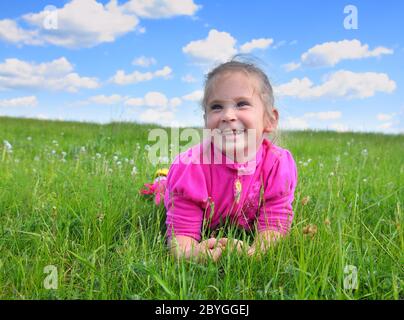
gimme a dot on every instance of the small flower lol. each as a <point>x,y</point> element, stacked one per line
<point>83,149</point>
<point>300,162</point>
<point>310,230</point>
<point>365,180</point>
<point>64,154</point>
<point>331,174</point>
<point>115,158</point>
<point>98,155</point>
<point>309,160</point>
<point>54,142</point>
<point>29,138</point>
<point>53,151</point>
<point>8,146</point>
<point>305,164</point>
<point>134,171</point>
<point>131,162</point>
<point>119,163</point>
<point>137,146</point>
<point>321,165</point>
<point>126,160</point>
<point>110,170</point>
<point>364,152</point>
<point>305,200</point>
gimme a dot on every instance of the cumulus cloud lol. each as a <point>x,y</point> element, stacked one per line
<point>291,66</point>
<point>325,115</point>
<point>154,99</point>
<point>345,84</point>
<point>109,100</point>
<point>189,78</point>
<point>293,123</point>
<point>30,101</point>
<point>144,61</point>
<point>83,23</point>
<point>221,46</point>
<point>121,78</point>
<point>54,75</point>
<point>217,47</point>
<point>87,23</point>
<point>254,44</point>
<point>11,32</point>
<point>195,96</point>
<point>155,9</point>
<point>330,53</point>
<point>384,117</point>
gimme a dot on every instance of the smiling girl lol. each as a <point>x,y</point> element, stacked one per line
<point>247,180</point>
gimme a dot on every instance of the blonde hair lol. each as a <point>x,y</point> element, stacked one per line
<point>250,69</point>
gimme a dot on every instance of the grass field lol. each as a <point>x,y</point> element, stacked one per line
<point>73,225</point>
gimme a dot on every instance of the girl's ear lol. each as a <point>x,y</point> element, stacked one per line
<point>271,121</point>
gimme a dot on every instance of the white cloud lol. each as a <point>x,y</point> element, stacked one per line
<point>155,116</point>
<point>195,96</point>
<point>386,125</point>
<point>384,117</point>
<point>154,99</point>
<point>11,32</point>
<point>144,61</point>
<point>189,78</point>
<point>121,78</point>
<point>261,43</point>
<point>30,101</point>
<point>291,66</point>
<point>83,23</point>
<point>109,100</point>
<point>293,123</point>
<point>326,115</point>
<point>154,9</point>
<point>53,75</point>
<point>217,47</point>
<point>330,53</point>
<point>342,83</point>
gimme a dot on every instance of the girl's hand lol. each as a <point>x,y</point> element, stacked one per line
<point>263,241</point>
<point>234,244</point>
<point>209,249</point>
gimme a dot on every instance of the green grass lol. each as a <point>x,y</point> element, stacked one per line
<point>84,215</point>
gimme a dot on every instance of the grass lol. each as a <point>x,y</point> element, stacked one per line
<point>68,199</point>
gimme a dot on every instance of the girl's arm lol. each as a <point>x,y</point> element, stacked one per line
<point>189,248</point>
<point>263,241</point>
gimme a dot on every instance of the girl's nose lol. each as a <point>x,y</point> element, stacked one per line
<point>229,115</point>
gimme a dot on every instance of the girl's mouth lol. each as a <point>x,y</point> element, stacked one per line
<point>230,133</point>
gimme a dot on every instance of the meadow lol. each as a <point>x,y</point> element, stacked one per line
<point>74,226</point>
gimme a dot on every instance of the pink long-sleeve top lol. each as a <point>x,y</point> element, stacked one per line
<point>200,193</point>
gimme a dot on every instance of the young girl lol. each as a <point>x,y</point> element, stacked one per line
<point>253,191</point>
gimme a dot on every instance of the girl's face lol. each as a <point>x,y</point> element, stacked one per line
<point>236,114</point>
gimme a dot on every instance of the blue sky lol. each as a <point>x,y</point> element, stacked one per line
<point>145,60</point>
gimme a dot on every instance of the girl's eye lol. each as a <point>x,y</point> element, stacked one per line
<point>242,104</point>
<point>216,107</point>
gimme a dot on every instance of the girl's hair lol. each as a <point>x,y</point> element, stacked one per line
<point>239,63</point>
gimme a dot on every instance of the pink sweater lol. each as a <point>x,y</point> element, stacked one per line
<point>205,193</point>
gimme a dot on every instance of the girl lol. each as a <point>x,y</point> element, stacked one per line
<point>237,174</point>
